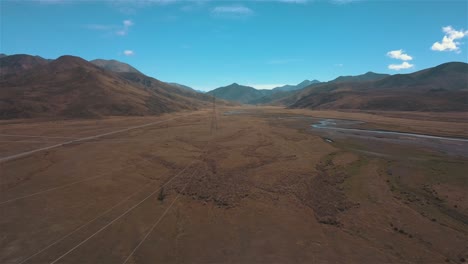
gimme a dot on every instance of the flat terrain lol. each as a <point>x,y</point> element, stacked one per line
<point>235,185</point>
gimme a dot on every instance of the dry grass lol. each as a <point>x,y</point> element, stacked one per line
<point>253,194</point>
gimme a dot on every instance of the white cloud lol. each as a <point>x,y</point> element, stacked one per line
<point>236,10</point>
<point>403,65</point>
<point>121,30</point>
<point>125,28</point>
<point>449,42</point>
<point>127,23</point>
<point>399,55</point>
<point>128,52</point>
<point>265,86</point>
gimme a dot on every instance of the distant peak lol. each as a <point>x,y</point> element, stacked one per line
<point>68,57</point>
<point>114,65</point>
<point>371,73</point>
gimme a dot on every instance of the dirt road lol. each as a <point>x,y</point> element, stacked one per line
<point>257,187</point>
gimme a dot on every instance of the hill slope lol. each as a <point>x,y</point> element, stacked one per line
<point>369,76</point>
<point>238,93</point>
<point>114,66</point>
<point>442,88</point>
<point>73,87</point>
<point>299,86</point>
<point>17,63</point>
<point>185,87</point>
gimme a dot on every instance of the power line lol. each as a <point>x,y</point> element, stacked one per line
<point>26,153</point>
<point>213,120</point>
<point>87,223</point>
<point>157,221</point>
<point>120,216</point>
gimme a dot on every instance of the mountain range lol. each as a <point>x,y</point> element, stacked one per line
<point>238,93</point>
<point>71,87</point>
<point>441,88</point>
<point>249,95</point>
<point>368,76</point>
<point>299,86</point>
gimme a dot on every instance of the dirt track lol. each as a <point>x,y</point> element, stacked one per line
<point>261,188</point>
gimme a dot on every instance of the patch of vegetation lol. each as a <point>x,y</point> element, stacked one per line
<point>326,195</point>
<point>422,197</point>
<point>161,195</point>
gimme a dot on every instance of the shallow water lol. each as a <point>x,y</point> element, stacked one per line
<point>333,125</point>
<point>335,129</point>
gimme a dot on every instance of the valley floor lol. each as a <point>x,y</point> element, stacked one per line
<point>238,185</point>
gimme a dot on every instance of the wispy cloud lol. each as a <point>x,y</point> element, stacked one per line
<point>126,27</point>
<point>232,11</point>
<point>403,65</point>
<point>131,6</point>
<point>449,41</point>
<point>128,52</point>
<point>121,30</point>
<point>293,1</point>
<point>339,65</point>
<point>399,55</point>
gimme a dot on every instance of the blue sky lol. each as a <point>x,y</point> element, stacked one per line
<point>206,44</point>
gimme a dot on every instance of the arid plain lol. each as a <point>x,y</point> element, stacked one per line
<point>234,185</point>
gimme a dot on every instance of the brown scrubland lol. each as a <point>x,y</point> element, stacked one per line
<point>234,185</point>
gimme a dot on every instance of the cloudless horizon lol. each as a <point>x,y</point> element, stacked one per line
<point>208,44</point>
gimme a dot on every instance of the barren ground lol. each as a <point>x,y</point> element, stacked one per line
<point>247,185</point>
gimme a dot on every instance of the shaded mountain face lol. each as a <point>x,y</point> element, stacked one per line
<point>442,88</point>
<point>288,94</point>
<point>114,66</point>
<point>295,87</point>
<point>72,87</point>
<point>369,76</point>
<point>2,55</point>
<point>17,63</point>
<point>239,93</point>
<point>185,87</point>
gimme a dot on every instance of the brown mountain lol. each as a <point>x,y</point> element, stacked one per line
<point>238,93</point>
<point>114,66</point>
<point>442,88</point>
<point>72,87</point>
<point>17,63</point>
<point>368,76</point>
